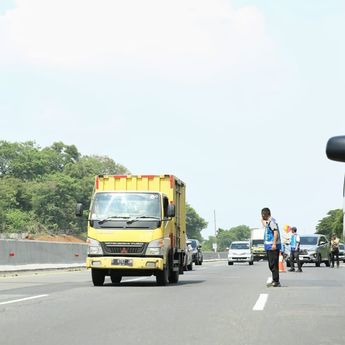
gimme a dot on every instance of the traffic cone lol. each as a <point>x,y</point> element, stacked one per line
<point>281,264</point>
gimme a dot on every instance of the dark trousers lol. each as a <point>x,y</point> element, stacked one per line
<point>273,264</point>
<point>335,254</point>
<point>294,255</point>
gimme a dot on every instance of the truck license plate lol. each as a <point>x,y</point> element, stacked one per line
<point>122,262</point>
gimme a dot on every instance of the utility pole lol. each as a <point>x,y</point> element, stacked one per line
<point>215,231</point>
<point>215,224</point>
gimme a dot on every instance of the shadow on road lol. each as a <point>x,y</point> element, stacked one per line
<point>153,284</point>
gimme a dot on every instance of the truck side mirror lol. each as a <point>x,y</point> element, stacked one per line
<point>171,211</point>
<point>335,149</point>
<point>79,210</point>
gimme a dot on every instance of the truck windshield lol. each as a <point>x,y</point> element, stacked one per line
<point>257,242</point>
<point>113,205</point>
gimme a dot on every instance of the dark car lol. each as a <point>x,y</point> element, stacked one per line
<point>198,257</point>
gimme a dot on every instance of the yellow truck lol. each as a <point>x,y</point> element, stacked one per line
<point>136,227</point>
<point>257,244</point>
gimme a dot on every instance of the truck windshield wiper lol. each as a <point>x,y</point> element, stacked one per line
<point>132,220</point>
<point>108,219</point>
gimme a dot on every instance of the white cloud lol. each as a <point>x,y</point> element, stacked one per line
<point>181,36</point>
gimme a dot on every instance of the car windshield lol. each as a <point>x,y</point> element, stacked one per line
<point>114,205</point>
<point>341,246</point>
<point>239,246</point>
<point>257,242</point>
<point>309,240</point>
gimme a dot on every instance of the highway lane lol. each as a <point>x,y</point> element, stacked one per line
<point>211,305</point>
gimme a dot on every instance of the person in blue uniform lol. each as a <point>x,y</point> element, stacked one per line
<point>272,245</point>
<point>294,250</point>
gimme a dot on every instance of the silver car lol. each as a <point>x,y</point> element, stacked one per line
<point>314,249</point>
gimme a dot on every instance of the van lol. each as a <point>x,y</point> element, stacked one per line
<point>240,251</point>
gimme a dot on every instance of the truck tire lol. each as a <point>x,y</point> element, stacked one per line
<point>251,262</point>
<point>162,277</point>
<point>115,277</point>
<point>173,277</point>
<point>98,276</point>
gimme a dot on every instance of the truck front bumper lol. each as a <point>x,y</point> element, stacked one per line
<point>128,263</point>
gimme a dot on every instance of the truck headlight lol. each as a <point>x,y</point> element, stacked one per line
<point>155,247</point>
<point>94,247</point>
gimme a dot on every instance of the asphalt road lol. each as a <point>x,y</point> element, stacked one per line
<point>213,304</point>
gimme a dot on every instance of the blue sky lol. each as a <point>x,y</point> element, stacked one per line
<point>237,98</point>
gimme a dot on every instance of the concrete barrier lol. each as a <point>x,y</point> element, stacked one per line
<point>21,252</point>
<point>29,255</point>
<point>209,256</point>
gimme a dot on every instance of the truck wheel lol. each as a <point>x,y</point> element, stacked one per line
<point>98,276</point>
<point>200,262</point>
<point>162,277</point>
<point>173,276</point>
<point>230,263</point>
<point>115,278</point>
<point>251,262</point>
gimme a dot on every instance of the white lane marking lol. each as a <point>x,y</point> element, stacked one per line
<point>23,299</point>
<point>261,302</point>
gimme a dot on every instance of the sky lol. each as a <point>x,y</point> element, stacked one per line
<point>235,97</point>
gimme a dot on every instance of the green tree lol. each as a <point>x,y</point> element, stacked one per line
<point>207,245</point>
<point>194,223</point>
<point>237,233</point>
<point>332,223</point>
<point>53,201</point>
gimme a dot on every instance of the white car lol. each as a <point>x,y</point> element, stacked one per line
<point>240,251</point>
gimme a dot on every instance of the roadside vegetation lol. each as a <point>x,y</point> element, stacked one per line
<point>39,189</point>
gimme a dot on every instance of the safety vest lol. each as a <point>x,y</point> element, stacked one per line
<point>269,237</point>
<point>294,242</point>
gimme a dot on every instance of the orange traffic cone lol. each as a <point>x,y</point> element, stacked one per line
<point>281,264</point>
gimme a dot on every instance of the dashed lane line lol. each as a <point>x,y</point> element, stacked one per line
<point>23,299</point>
<point>261,302</point>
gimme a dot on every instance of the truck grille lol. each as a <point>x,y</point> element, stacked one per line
<point>121,248</point>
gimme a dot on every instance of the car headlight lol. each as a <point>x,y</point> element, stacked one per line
<point>155,247</point>
<point>94,247</point>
